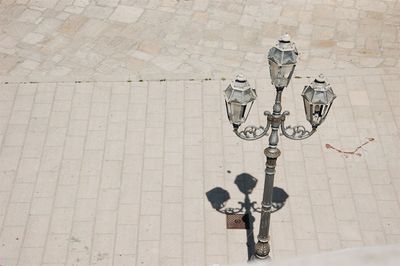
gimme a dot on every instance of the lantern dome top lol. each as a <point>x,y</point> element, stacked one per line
<point>320,79</point>
<point>240,78</point>
<point>240,91</point>
<point>319,91</point>
<point>285,38</point>
<point>284,52</point>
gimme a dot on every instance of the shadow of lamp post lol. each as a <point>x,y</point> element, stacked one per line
<point>239,97</point>
<point>245,183</point>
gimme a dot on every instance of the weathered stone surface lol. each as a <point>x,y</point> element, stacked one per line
<point>330,35</point>
<point>126,14</point>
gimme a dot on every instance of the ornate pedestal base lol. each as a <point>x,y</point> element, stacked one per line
<point>262,250</point>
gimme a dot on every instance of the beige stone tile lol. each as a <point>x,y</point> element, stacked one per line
<point>61,221</point>
<point>126,14</point>
<point>103,245</point>
<point>11,239</point>
<point>17,214</point>
<point>149,228</point>
<point>36,233</point>
<point>32,256</point>
<point>56,249</point>
<point>359,98</point>
<point>148,253</point>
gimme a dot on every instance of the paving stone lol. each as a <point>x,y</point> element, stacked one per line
<point>148,253</point>
<point>349,231</point>
<point>36,233</point>
<point>328,241</point>
<point>98,12</point>
<point>31,256</point>
<point>126,14</point>
<point>102,248</point>
<point>11,241</point>
<point>29,15</point>
<point>56,249</point>
<point>126,240</point>
<point>359,98</point>
<point>33,38</point>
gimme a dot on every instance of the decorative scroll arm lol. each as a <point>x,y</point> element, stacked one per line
<point>297,132</point>
<point>233,210</point>
<point>252,206</point>
<point>274,207</point>
<point>253,132</point>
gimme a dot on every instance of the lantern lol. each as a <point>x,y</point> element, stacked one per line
<point>239,98</point>
<point>282,60</point>
<point>318,98</point>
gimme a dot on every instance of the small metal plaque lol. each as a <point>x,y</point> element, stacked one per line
<point>236,221</point>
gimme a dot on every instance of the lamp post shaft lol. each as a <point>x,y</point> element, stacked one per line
<point>272,153</point>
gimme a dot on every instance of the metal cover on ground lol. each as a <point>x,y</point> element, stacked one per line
<point>236,221</point>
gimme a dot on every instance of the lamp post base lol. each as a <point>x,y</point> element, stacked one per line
<point>262,250</point>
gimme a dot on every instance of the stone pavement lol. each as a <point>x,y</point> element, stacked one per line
<point>113,128</point>
<point>64,40</point>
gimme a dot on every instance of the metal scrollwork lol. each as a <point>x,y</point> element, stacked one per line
<point>254,132</point>
<point>252,206</point>
<point>274,207</point>
<point>233,210</point>
<point>297,132</point>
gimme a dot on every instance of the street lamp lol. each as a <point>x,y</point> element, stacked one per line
<point>317,98</point>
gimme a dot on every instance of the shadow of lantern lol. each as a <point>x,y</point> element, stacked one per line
<point>218,197</point>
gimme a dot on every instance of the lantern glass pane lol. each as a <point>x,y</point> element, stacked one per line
<point>318,114</point>
<point>275,55</point>
<point>281,75</point>
<point>318,110</point>
<point>248,95</point>
<point>242,111</point>
<point>247,112</point>
<point>308,93</point>
<point>289,58</point>
<point>228,109</point>
<point>307,109</point>
<point>237,114</point>
<point>228,92</point>
<point>286,71</point>
<point>327,109</point>
<point>330,95</point>
<point>315,117</point>
<point>236,96</point>
<point>319,97</point>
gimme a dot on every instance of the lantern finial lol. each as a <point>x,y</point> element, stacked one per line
<point>285,38</point>
<point>320,79</point>
<point>240,78</point>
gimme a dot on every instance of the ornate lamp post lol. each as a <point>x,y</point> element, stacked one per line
<point>239,96</point>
